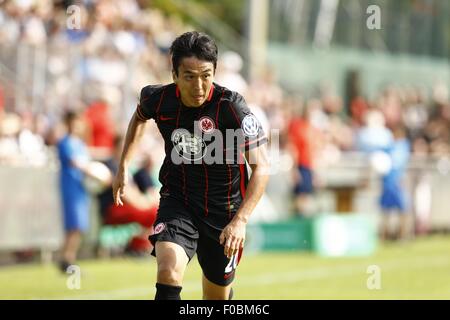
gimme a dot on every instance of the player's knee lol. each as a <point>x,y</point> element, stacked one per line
<point>169,275</point>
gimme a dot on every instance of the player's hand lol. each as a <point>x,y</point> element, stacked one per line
<point>119,183</point>
<point>233,237</point>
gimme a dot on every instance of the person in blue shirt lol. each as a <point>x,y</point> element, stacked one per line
<point>374,135</point>
<point>75,165</point>
<point>393,198</point>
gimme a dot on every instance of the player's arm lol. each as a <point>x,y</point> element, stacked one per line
<point>233,235</point>
<point>144,111</point>
<point>134,134</point>
<point>259,163</point>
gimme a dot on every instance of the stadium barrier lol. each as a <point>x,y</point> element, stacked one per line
<point>114,238</point>
<point>327,234</point>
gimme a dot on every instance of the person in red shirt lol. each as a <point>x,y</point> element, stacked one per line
<point>140,203</point>
<point>358,109</point>
<point>302,135</point>
<point>100,130</point>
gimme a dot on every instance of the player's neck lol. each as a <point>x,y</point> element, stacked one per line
<point>191,107</point>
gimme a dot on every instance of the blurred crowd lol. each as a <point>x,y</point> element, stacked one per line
<point>100,53</point>
<point>96,53</point>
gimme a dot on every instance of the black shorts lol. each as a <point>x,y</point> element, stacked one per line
<point>196,233</point>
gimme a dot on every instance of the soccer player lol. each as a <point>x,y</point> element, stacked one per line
<point>204,205</point>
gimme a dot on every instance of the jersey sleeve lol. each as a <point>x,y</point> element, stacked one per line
<point>146,108</point>
<point>249,129</point>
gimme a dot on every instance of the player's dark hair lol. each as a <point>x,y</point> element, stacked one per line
<point>193,44</point>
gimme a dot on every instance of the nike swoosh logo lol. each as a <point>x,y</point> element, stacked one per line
<point>162,118</point>
<point>226,276</point>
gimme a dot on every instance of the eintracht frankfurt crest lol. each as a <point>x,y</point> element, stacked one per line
<point>159,228</point>
<point>206,124</point>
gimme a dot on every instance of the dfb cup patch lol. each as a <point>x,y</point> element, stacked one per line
<point>159,227</point>
<point>250,125</point>
<point>206,124</point>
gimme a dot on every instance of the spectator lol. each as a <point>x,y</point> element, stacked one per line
<point>75,164</point>
<point>302,135</point>
<point>374,136</point>
<point>31,144</point>
<point>100,130</point>
<point>393,197</point>
<point>358,109</point>
<point>228,73</point>
<point>140,202</point>
<point>10,126</point>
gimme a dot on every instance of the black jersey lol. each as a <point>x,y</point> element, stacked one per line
<point>204,164</point>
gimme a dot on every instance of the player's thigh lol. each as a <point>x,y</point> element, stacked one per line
<point>175,241</point>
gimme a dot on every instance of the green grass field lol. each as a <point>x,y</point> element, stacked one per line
<point>416,270</point>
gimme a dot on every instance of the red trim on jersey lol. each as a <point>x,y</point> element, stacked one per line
<point>165,180</point>
<point>206,189</point>
<point>242,170</point>
<point>211,93</point>
<point>177,92</point>
<point>178,113</point>
<point>139,113</point>
<point>218,107</point>
<point>242,165</point>
<point>159,104</point>
<point>146,98</point>
<point>182,163</point>
<point>234,114</point>
<point>250,142</point>
<point>184,184</point>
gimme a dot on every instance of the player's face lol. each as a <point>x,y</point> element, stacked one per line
<point>194,80</point>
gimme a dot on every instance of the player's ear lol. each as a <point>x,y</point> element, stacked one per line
<point>174,76</point>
